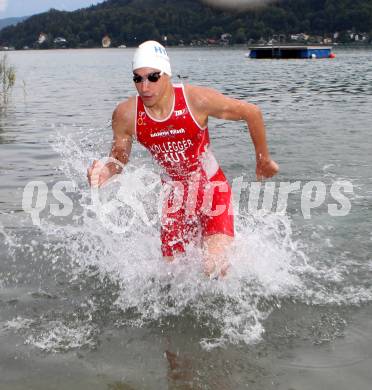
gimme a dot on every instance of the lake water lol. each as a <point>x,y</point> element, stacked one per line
<point>86,301</point>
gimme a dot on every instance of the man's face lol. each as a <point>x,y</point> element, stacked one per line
<point>151,92</point>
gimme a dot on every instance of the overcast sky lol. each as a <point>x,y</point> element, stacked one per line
<point>10,8</point>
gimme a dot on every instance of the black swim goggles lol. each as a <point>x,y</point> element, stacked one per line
<point>152,77</point>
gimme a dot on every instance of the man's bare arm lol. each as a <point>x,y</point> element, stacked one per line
<point>123,130</point>
<point>208,102</point>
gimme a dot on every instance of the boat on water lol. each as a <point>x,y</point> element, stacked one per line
<point>289,51</point>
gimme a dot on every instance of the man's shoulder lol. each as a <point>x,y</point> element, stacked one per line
<point>191,89</point>
<point>124,113</point>
<point>197,95</point>
<point>126,105</point>
<point>126,109</point>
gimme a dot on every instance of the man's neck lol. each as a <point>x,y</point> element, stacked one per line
<point>163,107</point>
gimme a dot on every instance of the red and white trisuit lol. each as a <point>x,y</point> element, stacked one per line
<point>200,196</point>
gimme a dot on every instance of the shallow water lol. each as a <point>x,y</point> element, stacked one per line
<point>85,299</point>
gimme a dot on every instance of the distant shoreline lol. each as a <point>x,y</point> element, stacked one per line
<point>189,47</point>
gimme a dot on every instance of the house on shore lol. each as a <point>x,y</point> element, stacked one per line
<point>106,42</point>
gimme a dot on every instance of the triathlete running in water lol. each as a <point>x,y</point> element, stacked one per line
<point>171,121</point>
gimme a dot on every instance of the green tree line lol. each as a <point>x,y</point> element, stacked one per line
<point>131,21</point>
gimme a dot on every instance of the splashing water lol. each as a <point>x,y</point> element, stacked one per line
<point>265,262</point>
<point>120,244</point>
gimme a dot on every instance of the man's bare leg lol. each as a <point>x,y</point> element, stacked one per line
<point>215,258</point>
<point>215,248</point>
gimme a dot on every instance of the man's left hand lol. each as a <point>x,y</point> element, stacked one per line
<point>265,168</point>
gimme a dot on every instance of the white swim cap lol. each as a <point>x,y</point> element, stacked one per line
<point>152,54</point>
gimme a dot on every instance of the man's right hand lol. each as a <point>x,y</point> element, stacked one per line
<point>98,173</point>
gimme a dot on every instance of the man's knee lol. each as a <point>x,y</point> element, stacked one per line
<point>217,243</point>
<point>215,259</point>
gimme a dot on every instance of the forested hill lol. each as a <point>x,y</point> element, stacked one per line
<point>131,21</point>
<point>11,21</point>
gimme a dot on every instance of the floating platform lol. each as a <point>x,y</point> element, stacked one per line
<point>283,51</point>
